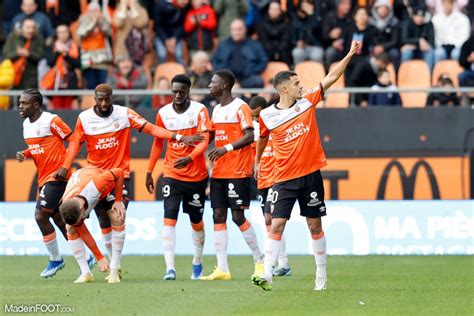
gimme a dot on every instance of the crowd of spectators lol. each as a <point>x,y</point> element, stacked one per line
<point>75,44</point>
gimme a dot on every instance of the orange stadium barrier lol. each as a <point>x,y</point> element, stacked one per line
<point>345,178</point>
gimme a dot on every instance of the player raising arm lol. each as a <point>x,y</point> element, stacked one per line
<point>299,156</point>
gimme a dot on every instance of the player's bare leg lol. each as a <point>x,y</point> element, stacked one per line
<point>56,262</point>
<point>221,272</point>
<point>238,216</point>
<point>319,248</point>
<point>106,228</point>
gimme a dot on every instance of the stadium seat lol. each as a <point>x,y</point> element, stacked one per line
<point>414,74</point>
<point>168,70</point>
<point>337,100</point>
<point>310,73</point>
<point>273,67</point>
<point>449,66</point>
<point>87,101</point>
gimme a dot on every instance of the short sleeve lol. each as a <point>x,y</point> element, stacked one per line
<point>159,120</point>
<point>263,128</point>
<point>245,117</point>
<point>79,134</point>
<point>204,124</point>
<point>314,95</point>
<point>59,128</point>
<point>136,120</point>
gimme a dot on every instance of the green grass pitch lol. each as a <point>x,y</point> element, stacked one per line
<point>368,285</point>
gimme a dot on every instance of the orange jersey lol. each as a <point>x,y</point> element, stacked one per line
<point>295,136</point>
<point>44,138</point>
<point>267,167</point>
<point>108,138</point>
<point>93,184</point>
<point>229,123</point>
<point>194,120</point>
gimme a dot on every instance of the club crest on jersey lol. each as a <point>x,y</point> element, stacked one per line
<point>231,193</point>
<point>116,124</point>
<point>314,199</point>
<point>38,132</point>
<point>191,122</point>
<point>297,108</point>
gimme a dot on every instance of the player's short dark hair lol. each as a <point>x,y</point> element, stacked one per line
<point>283,76</point>
<point>70,211</point>
<point>35,95</point>
<point>181,78</point>
<point>258,102</point>
<point>228,77</point>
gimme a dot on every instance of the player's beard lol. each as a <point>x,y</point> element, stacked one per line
<point>101,113</point>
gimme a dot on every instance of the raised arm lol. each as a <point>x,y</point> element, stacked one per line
<point>339,69</point>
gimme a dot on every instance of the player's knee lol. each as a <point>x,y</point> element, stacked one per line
<point>41,217</point>
<point>219,218</point>
<point>195,218</point>
<point>237,218</point>
<point>315,227</point>
<point>104,222</point>
<point>268,219</point>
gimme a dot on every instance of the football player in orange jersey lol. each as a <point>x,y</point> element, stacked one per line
<point>44,134</point>
<point>265,182</point>
<point>185,172</point>
<point>231,171</point>
<point>106,128</point>
<point>299,156</point>
<point>85,188</point>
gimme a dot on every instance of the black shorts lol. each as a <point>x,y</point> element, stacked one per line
<point>50,195</point>
<point>192,194</point>
<point>308,190</point>
<point>230,193</point>
<point>265,199</point>
<point>106,203</point>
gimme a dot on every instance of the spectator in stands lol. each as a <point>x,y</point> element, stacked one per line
<point>63,57</point>
<point>25,49</point>
<point>443,98</point>
<point>388,35</point>
<point>29,10</point>
<point>96,54</point>
<point>241,55</point>
<point>159,101</point>
<point>451,30</point>
<point>127,76</point>
<point>11,8</point>
<point>200,26</point>
<point>200,74</point>
<point>131,21</point>
<point>227,11</point>
<point>389,98</point>
<point>364,74</point>
<point>168,26</point>
<point>274,34</point>
<point>362,31</point>
<point>466,60</point>
<point>417,38</point>
<point>436,6</point>
<point>306,32</point>
<point>60,11</point>
<point>334,24</point>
